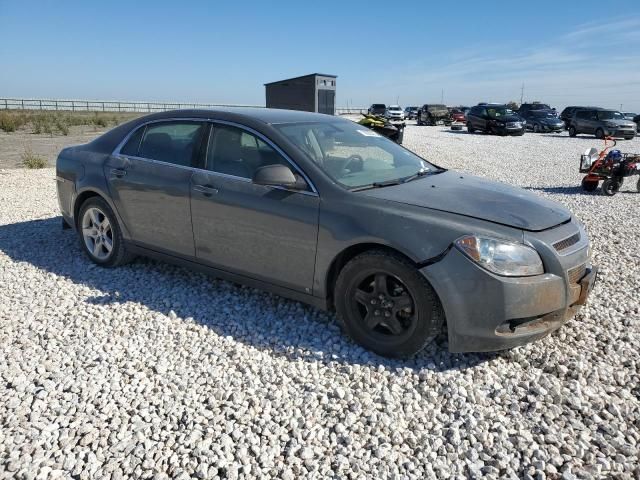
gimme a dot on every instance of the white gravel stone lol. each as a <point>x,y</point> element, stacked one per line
<point>153,371</point>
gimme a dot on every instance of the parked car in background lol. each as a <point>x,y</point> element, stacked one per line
<point>378,109</point>
<point>636,119</point>
<point>525,108</point>
<point>410,113</point>
<point>495,119</point>
<point>433,114</point>
<point>315,208</point>
<point>542,121</point>
<point>394,112</point>
<point>602,123</point>
<point>567,114</point>
<point>457,115</point>
<point>629,115</point>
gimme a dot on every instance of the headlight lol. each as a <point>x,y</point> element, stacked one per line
<point>501,257</point>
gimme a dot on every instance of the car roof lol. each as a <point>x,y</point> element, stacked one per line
<point>265,115</point>
<point>250,116</point>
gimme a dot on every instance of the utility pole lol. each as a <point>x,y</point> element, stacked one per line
<point>442,96</point>
<point>522,94</point>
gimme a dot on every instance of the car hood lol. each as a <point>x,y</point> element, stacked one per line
<point>475,197</point>
<point>621,123</point>
<point>552,121</point>
<point>509,118</point>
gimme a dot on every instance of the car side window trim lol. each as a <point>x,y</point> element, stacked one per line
<point>202,158</point>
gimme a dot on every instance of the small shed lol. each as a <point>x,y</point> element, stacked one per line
<point>315,92</point>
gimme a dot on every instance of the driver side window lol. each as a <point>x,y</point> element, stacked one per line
<point>236,152</point>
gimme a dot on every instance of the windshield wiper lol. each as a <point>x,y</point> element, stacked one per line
<point>386,183</point>
<point>421,173</point>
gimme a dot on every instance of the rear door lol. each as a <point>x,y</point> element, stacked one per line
<point>150,182</point>
<point>266,233</point>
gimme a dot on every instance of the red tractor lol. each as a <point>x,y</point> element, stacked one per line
<point>610,166</point>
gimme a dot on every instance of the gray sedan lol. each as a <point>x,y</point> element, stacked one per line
<point>325,211</point>
<point>543,121</point>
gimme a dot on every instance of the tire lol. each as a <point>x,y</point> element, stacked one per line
<point>470,128</point>
<point>572,131</point>
<point>536,128</point>
<point>599,133</point>
<point>610,187</point>
<point>402,309</point>
<point>419,122</point>
<point>638,185</point>
<point>628,138</point>
<point>91,218</point>
<point>589,185</point>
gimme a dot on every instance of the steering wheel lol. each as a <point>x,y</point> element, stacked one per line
<point>357,162</point>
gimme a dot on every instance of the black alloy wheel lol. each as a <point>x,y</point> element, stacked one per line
<point>385,304</point>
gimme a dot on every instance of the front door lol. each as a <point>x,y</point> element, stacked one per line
<point>150,183</point>
<point>261,232</point>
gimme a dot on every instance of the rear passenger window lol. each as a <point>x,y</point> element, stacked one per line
<point>133,144</point>
<point>233,151</point>
<point>172,142</point>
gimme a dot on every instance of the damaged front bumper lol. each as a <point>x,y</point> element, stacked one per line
<point>488,312</point>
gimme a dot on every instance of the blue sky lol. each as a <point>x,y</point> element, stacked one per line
<point>565,52</point>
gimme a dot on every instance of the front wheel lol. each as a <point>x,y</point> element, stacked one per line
<point>572,131</point>
<point>386,305</point>
<point>470,128</point>
<point>600,133</point>
<point>536,128</point>
<point>100,234</point>
<point>610,187</point>
<point>638,185</point>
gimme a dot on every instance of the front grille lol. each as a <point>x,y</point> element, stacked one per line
<point>567,242</point>
<point>576,273</point>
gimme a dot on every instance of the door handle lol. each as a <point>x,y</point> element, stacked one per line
<point>118,172</point>
<point>206,190</point>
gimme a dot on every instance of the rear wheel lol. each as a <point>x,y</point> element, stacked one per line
<point>100,234</point>
<point>386,305</point>
<point>600,133</point>
<point>470,128</point>
<point>628,138</point>
<point>589,185</point>
<point>610,187</point>
<point>536,128</point>
<point>572,131</point>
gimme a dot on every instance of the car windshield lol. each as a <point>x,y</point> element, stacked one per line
<point>434,108</point>
<point>498,112</point>
<point>540,106</point>
<point>378,106</point>
<point>398,109</point>
<point>543,114</point>
<point>353,155</point>
<point>610,115</point>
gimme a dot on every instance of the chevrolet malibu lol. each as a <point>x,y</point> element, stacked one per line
<point>321,210</point>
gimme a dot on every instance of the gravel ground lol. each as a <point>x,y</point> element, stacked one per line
<point>152,371</point>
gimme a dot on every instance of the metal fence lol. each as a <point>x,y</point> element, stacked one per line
<point>123,107</point>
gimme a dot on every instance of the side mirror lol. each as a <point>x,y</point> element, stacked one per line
<point>275,176</point>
